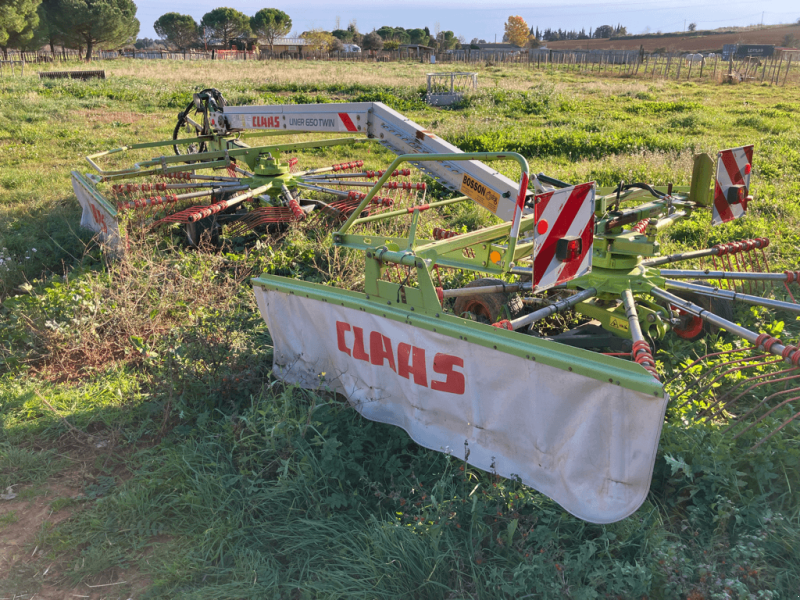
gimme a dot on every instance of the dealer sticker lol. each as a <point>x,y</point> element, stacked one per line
<point>484,196</point>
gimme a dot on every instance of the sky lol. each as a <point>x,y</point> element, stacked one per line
<point>484,19</point>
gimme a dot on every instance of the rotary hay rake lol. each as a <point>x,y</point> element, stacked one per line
<point>214,181</point>
<point>466,370</point>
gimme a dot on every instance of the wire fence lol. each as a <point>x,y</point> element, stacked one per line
<point>780,69</point>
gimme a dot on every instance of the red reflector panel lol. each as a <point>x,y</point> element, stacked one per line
<point>569,248</point>
<point>736,194</point>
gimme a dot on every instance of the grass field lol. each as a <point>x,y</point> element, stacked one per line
<point>152,454</point>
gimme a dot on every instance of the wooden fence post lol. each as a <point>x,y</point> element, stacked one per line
<point>778,75</point>
<point>788,66</point>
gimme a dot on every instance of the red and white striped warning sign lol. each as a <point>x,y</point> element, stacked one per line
<point>563,235</point>
<point>732,184</point>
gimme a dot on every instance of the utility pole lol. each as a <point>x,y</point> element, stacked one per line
<point>684,26</point>
<point>762,19</point>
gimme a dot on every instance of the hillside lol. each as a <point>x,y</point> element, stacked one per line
<point>704,42</point>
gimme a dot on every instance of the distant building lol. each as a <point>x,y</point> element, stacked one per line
<point>501,47</point>
<point>742,51</point>
<point>787,53</point>
<point>419,49</point>
<point>288,46</point>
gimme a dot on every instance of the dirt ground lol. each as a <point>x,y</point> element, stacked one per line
<point>688,43</point>
<point>29,569</point>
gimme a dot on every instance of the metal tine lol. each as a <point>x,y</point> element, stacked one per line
<point>744,270</point>
<point>777,429</point>
<point>732,268</point>
<point>743,417</point>
<point>703,390</point>
<point>766,414</point>
<point>763,376</point>
<point>701,358</point>
<point>710,370</point>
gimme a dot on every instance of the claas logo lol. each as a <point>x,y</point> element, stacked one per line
<point>407,361</point>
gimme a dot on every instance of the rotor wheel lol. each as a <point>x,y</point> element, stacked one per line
<point>183,129</point>
<point>488,308</point>
<point>696,328</point>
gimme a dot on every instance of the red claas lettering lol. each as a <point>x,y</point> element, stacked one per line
<point>266,122</point>
<point>358,345</point>
<point>443,365</point>
<point>417,366</point>
<point>380,347</point>
<point>411,361</point>
<point>341,327</point>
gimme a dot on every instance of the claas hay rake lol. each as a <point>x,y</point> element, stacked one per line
<point>477,371</point>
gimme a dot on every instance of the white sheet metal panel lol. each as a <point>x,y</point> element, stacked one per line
<point>588,445</point>
<point>733,168</point>
<point>566,212</point>
<point>96,215</point>
<point>394,131</point>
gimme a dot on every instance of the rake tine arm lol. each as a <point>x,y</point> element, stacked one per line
<point>641,352</point>
<point>663,260</point>
<point>717,250</point>
<point>540,314</point>
<point>786,276</point>
<point>715,292</point>
<point>769,344</point>
<point>318,188</point>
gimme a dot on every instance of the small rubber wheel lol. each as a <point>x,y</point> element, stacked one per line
<point>489,307</point>
<point>696,328</point>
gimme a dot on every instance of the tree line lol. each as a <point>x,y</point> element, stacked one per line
<point>81,24</point>
<point>88,24</point>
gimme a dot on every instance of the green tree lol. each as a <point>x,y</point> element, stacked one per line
<point>692,26</point>
<point>226,25</point>
<point>343,35</point>
<point>446,40</point>
<point>18,18</point>
<point>418,36</point>
<point>269,24</point>
<point>178,30</point>
<point>604,31</point>
<point>48,31</point>
<point>372,42</point>
<point>90,23</point>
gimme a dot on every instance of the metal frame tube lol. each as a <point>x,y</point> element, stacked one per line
<point>487,289</point>
<point>680,274</point>
<point>633,316</point>
<point>553,308</point>
<point>715,292</point>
